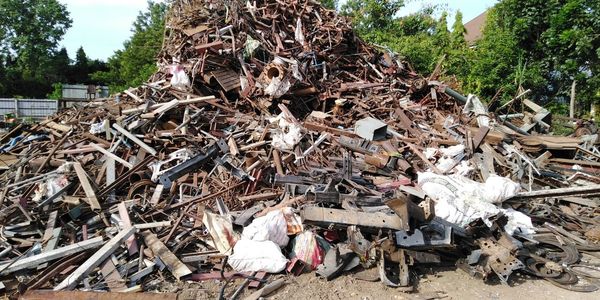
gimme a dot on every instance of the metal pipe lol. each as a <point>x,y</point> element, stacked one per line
<point>456,95</point>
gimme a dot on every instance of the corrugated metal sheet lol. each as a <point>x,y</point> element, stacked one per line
<point>28,108</point>
<point>79,91</point>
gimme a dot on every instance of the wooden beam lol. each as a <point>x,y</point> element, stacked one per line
<point>161,110</point>
<point>95,260</point>
<point>87,187</point>
<point>134,139</point>
<point>159,105</point>
<point>112,155</point>
<point>36,260</point>
<point>177,268</point>
<point>132,246</point>
<point>133,96</point>
<point>152,225</point>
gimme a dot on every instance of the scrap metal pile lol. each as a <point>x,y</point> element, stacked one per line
<point>274,140</point>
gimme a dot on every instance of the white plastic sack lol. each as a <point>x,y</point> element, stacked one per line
<point>99,127</point>
<point>518,222</point>
<point>272,227</point>
<point>50,187</point>
<point>497,189</point>
<point>453,151</point>
<point>307,249</point>
<point>254,256</point>
<point>461,201</point>
<point>180,80</point>
<point>221,231</point>
<point>288,135</point>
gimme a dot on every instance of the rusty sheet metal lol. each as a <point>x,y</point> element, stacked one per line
<point>78,295</point>
<point>228,79</point>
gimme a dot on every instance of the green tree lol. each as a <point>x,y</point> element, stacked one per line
<point>60,66</point>
<point>330,4</point>
<point>543,45</point>
<point>134,64</point>
<point>419,38</point>
<point>81,67</point>
<point>372,18</point>
<point>29,34</point>
<point>457,37</point>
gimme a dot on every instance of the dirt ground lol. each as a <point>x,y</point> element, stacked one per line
<point>436,284</point>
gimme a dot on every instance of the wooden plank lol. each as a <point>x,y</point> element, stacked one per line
<point>133,96</point>
<point>36,260</point>
<point>134,139</point>
<point>159,111</point>
<point>59,127</point>
<point>177,268</point>
<point>195,30</point>
<point>94,261</point>
<point>158,105</point>
<point>50,225</point>
<point>87,187</point>
<point>582,201</point>
<point>156,195</point>
<point>51,244</point>
<point>259,197</point>
<point>322,128</point>
<point>111,155</point>
<point>132,246</point>
<point>97,140</point>
<point>575,162</point>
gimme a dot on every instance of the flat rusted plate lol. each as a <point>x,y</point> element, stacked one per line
<point>78,295</point>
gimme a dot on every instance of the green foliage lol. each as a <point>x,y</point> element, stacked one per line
<point>133,65</point>
<point>372,17</point>
<point>30,31</point>
<point>56,91</point>
<point>330,4</point>
<point>534,44</point>
<point>29,34</point>
<point>541,45</point>
<point>419,38</point>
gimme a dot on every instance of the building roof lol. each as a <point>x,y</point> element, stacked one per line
<point>475,28</point>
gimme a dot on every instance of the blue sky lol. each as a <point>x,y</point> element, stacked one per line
<point>101,26</point>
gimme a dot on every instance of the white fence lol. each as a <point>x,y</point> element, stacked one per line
<point>28,108</point>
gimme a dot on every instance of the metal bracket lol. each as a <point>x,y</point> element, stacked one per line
<point>192,164</point>
<point>419,240</point>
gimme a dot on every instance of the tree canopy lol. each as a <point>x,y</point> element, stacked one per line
<point>134,64</point>
<point>539,45</point>
<point>30,31</point>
